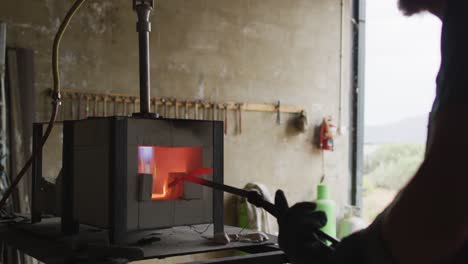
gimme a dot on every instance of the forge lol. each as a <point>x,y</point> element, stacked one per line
<point>117,170</point>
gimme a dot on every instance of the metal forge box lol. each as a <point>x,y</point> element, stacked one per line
<point>116,172</point>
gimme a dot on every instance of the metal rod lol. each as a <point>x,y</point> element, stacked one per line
<point>254,198</point>
<point>143,9</point>
<point>218,186</point>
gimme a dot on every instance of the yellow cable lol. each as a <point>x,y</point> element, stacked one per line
<point>56,48</point>
<point>55,103</point>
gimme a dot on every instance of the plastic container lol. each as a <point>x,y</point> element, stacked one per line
<point>327,205</point>
<point>351,222</point>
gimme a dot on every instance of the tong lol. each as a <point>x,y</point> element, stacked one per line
<point>252,197</point>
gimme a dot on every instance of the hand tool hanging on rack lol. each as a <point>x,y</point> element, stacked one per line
<point>164,107</point>
<point>203,110</point>
<point>96,105</point>
<point>87,98</point>
<point>300,122</point>
<point>239,118</point>
<point>186,111</point>
<point>167,108</point>
<point>135,105</point>
<point>196,111</point>
<point>219,117</point>
<point>79,110</point>
<point>206,111</point>
<point>278,113</point>
<point>72,108</point>
<point>115,106</point>
<point>153,106</point>
<point>172,103</point>
<point>176,108</point>
<point>124,107</point>
<point>156,107</point>
<point>213,111</point>
<point>225,119</point>
<point>104,108</point>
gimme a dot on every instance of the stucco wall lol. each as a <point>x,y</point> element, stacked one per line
<point>257,51</point>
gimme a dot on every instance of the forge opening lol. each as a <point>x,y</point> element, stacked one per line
<point>166,164</point>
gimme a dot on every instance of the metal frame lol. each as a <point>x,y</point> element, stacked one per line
<point>357,97</point>
<point>38,132</point>
<point>3,30</point>
<point>275,257</point>
<point>44,242</point>
<point>3,116</point>
<point>69,225</point>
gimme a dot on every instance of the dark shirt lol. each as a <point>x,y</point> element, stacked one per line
<point>452,81</point>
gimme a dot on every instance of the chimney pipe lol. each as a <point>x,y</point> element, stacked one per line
<point>143,9</point>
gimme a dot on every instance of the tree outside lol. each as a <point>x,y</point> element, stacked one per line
<point>387,169</point>
<point>402,61</point>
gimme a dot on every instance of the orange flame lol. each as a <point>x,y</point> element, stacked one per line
<point>159,196</point>
<point>163,195</point>
<point>166,164</point>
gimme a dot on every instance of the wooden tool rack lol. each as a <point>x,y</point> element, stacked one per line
<point>79,104</point>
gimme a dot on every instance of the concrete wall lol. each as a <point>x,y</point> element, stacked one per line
<point>257,51</point>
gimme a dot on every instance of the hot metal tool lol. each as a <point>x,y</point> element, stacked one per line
<point>252,197</point>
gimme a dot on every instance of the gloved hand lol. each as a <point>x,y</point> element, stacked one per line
<point>297,231</point>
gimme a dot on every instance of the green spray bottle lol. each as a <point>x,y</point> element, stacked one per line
<point>328,206</point>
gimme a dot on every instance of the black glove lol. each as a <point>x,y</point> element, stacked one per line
<point>297,231</point>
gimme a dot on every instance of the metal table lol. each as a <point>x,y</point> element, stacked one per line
<point>44,242</point>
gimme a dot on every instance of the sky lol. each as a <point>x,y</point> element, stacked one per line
<point>402,61</point>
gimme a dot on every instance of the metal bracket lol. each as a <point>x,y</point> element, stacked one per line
<point>142,2</point>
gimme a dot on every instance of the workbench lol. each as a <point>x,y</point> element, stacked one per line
<point>44,242</point>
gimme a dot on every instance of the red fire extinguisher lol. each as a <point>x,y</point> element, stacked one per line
<point>327,134</point>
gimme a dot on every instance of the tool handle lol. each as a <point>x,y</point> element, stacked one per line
<point>256,199</point>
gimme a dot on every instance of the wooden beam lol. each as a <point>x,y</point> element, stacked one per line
<point>191,103</point>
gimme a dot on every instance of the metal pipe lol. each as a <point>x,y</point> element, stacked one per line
<point>358,89</point>
<point>341,126</point>
<point>143,9</point>
<point>3,116</point>
<point>3,29</point>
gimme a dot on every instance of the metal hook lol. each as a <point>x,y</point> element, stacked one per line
<point>176,108</point>
<point>186,114</point>
<point>225,119</point>
<point>278,113</point>
<point>239,116</point>
<point>164,105</point>
<point>87,97</point>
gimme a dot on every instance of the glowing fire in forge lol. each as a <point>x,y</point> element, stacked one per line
<point>167,163</point>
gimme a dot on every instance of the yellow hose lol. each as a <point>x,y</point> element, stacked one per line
<point>56,99</point>
<point>56,48</point>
